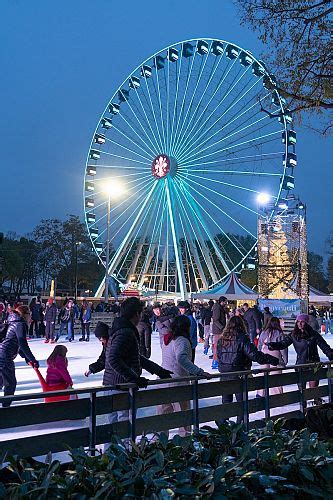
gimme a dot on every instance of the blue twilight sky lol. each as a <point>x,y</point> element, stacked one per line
<point>60,63</point>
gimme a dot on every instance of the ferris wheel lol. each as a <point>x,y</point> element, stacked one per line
<point>194,134</point>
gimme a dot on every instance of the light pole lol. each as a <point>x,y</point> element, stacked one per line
<point>113,189</point>
<point>77,244</point>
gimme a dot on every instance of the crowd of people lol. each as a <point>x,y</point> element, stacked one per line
<point>234,338</point>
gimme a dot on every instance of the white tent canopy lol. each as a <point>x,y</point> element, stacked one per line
<point>231,288</point>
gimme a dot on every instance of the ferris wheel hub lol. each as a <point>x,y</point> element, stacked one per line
<point>164,165</point>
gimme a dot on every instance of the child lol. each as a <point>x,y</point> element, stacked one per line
<point>57,372</point>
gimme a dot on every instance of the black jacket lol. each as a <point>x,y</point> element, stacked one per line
<point>306,348</point>
<point>50,313</point>
<point>219,316</point>
<point>145,330</point>
<point>206,315</point>
<point>252,320</point>
<point>15,341</point>
<point>237,355</point>
<point>123,362</point>
<point>99,365</point>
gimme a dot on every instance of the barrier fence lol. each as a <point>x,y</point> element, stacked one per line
<point>93,403</point>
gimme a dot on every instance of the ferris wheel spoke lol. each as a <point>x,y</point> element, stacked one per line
<point>151,147</point>
<point>142,127</point>
<point>146,150</point>
<point>228,148</point>
<point>195,139</point>
<point>159,247</point>
<point>182,133</point>
<point>183,101</point>
<point>153,244</point>
<point>127,148</point>
<point>115,209</point>
<point>175,101</point>
<point>124,158</point>
<point>180,271</point>
<point>152,109</point>
<point>214,221</point>
<point>236,186</point>
<point>120,167</point>
<point>203,93</point>
<point>199,151</point>
<point>157,140</point>
<point>217,206</point>
<point>147,218</point>
<point>234,118</point>
<point>187,252</point>
<point>199,239</point>
<point>158,92</point>
<point>238,159</point>
<point>202,114</point>
<point>189,107</point>
<point>138,175</point>
<point>196,209</point>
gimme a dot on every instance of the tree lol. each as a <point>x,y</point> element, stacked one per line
<point>330,274</point>
<point>317,276</point>
<point>298,35</point>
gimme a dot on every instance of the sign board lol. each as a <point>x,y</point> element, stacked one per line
<point>282,308</point>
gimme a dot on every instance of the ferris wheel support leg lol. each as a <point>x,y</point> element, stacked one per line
<point>180,270</point>
<point>124,243</point>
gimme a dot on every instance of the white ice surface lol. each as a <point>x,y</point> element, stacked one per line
<point>80,355</point>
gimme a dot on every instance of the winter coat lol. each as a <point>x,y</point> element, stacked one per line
<point>123,362</point>
<point>267,317</point>
<point>193,330</point>
<point>219,317</point>
<point>177,358</point>
<point>163,326</point>
<point>252,320</point>
<point>313,322</point>
<point>57,372</point>
<point>306,348</point>
<point>206,315</point>
<point>238,354</point>
<point>274,336</point>
<point>37,312</point>
<point>15,341</point>
<point>85,315</point>
<point>145,331</point>
<point>66,315</point>
<point>99,365</point>
<point>50,313</point>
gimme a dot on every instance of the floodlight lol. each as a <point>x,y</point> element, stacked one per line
<point>263,198</point>
<point>113,188</point>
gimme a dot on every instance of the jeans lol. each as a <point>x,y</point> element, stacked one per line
<point>70,330</point>
<point>34,325</point>
<point>116,416</point>
<point>7,379</point>
<point>85,330</point>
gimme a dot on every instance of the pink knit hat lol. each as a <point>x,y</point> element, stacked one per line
<point>303,317</point>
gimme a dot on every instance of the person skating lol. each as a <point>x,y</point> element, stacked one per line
<point>252,320</point>
<point>123,362</point>
<point>185,309</point>
<point>236,352</point>
<point>219,321</point>
<point>145,331</point>
<point>85,318</point>
<point>14,343</point>
<point>50,316</point>
<point>206,315</point>
<point>57,368</point>
<point>177,358</point>
<point>102,333</point>
<point>267,316</point>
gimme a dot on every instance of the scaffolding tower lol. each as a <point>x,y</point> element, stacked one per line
<point>282,253</point>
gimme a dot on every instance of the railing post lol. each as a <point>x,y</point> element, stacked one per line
<point>132,413</point>
<point>267,405</point>
<point>92,424</point>
<point>330,383</point>
<point>245,388</point>
<point>301,387</point>
<point>195,397</point>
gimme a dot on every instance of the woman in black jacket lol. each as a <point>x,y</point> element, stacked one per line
<point>14,343</point>
<point>306,342</point>
<point>235,352</point>
<point>145,331</point>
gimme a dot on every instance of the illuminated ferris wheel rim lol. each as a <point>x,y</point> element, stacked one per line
<point>161,153</point>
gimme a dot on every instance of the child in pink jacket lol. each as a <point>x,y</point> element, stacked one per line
<point>57,372</point>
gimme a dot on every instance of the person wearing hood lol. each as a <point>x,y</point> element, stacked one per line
<point>14,343</point>
<point>185,310</point>
<point>306,342</point>
<point>163,320</point>
<point>123,362</point>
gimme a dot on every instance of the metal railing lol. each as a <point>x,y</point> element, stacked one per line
<point>161,391</point>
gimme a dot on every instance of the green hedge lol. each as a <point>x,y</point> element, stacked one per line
<point>220,463</point>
